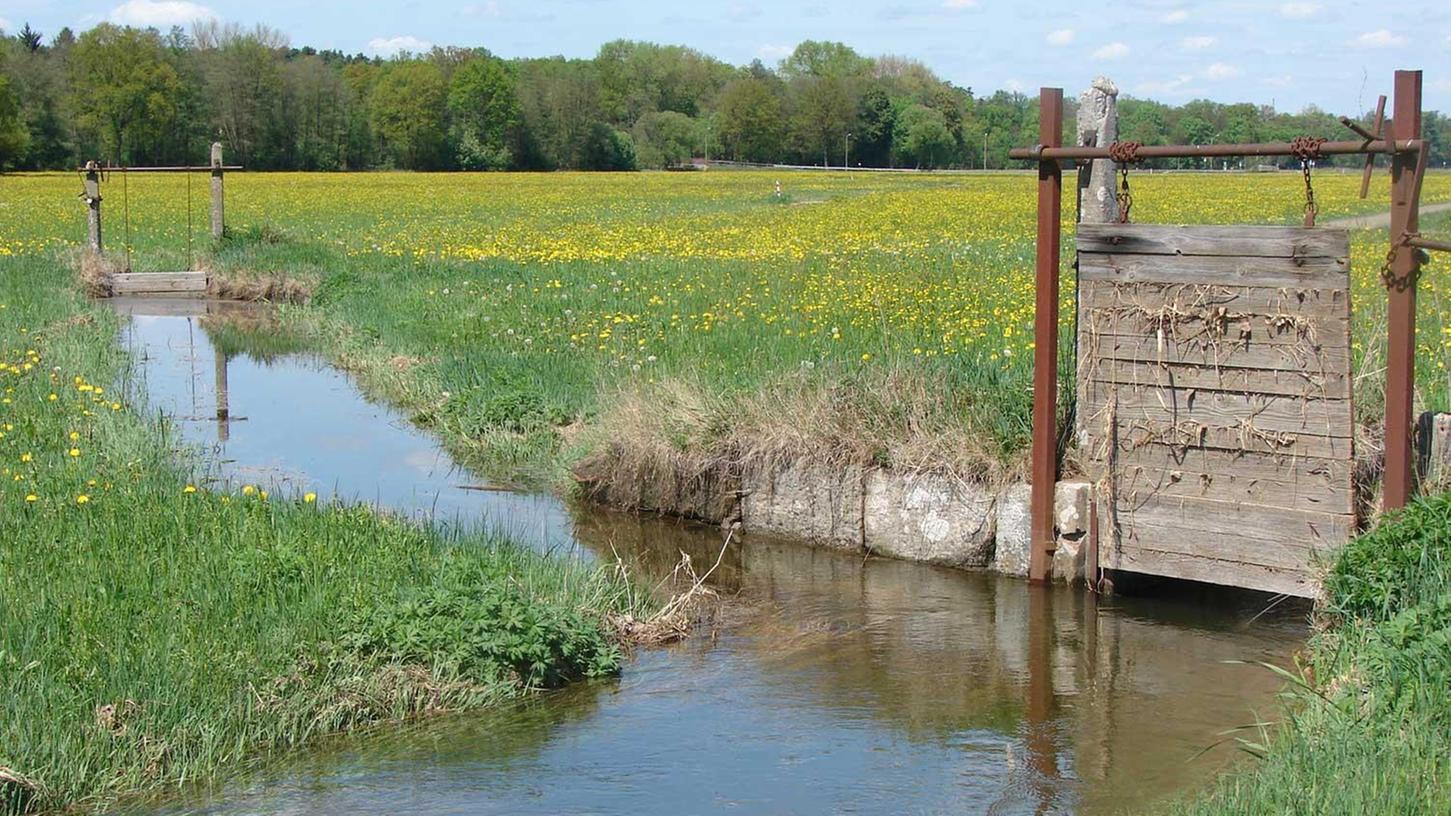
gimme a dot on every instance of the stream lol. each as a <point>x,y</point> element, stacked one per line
<point>827,683</point>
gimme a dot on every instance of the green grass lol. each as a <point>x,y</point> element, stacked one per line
<point>1370,730</point>
<point>151,635</point>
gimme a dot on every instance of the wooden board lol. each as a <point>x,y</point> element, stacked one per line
<point>152,283</point>
<point>1231,241</point>
<point>1214,400</point>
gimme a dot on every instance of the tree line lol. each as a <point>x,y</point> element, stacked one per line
<point>140,96</point>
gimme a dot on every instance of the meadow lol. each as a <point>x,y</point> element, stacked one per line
<point>529,319</point>
<point>702,309</point>
<point>156,628</point>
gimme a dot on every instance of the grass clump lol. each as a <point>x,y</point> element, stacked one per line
<point>155,630</point>
<point>1369,727</point>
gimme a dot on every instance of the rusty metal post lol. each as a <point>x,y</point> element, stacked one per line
<point>217,200</point>
<point>1401,296</point>
<point>93,206</point>
<point>1045,340</point>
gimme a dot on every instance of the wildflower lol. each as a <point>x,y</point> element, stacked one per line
<point>74,436</point>
<point>74,452</point>
<point>25,457</point>
<point>189,489</point>
<point>83,499</point>
<point>248,490</point>
<point>31,498</point>
<point>309,497</point>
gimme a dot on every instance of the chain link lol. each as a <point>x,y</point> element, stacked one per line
<point>1311,210</point>
<point>1124,154</point>
<point>1388,275</point>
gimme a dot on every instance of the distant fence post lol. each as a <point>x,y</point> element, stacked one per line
<point>93,206</point>
<point>217,206</point>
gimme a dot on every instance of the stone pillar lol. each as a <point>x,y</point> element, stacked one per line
<point>93,207</point>
<point>1098,127</point>
<point>217,222</point>
<point>1433,446</point>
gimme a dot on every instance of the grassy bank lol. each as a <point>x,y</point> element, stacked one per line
<point>1369,727</point>
<point>154,629</point>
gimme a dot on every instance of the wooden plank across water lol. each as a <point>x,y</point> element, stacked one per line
<point>154,283</point>
<point>1214,399</point>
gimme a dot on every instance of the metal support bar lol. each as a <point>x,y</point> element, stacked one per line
<point>1428,243</point>
<point>1043,539</point>
<point>174,169</point>
<point>1401,295</point>
<point>1380,122</point>
<point>1044,152</point>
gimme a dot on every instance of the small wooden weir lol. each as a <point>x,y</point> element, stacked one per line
<point>181,284</point>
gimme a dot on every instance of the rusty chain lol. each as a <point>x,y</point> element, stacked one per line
<point>1389,277</point>
<point>1307,150</point>
<point>1124,154</point>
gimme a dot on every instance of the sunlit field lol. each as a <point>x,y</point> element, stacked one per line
<point>555,289</point>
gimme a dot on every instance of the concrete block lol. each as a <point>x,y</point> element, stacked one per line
<point>930,518</point>
<point>815,504</point>
<point>1433,450</point>
<point>1010,556</point>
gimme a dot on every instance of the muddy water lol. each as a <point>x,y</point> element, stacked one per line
<point>829,683</point>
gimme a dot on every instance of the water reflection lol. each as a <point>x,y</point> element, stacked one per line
<point>826,683</point>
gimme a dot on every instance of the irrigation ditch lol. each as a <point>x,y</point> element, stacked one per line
<point>824,668</point>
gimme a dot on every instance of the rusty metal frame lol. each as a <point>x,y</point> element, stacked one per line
<point>1408,155</point>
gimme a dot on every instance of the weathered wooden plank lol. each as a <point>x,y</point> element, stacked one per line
<point>1124,268</point>
<point>1321,385</point>
<point>1235,240</point>
<point>1231,531</point>
<point>1222,409</point>
<point>1259,302</point>
<point>154,282</point>
<point>1310,494</point>
<point>1313,358</point>
<point>1134,434</point>
<point>1311,473</point>
<point>1298,583</point>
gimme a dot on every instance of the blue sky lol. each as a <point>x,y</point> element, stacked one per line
<point>1332,53</point>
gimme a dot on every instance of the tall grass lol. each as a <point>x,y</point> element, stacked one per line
<point>1368,729</point>
<point>154,630</point>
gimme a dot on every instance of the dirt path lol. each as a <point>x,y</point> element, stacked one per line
<point>1382,220</point>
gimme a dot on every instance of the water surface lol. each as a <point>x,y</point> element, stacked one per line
<point>827,683</point>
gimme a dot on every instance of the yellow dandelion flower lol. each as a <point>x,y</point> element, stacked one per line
<point>74,452</point>
<point>189,489</point>
<point>248,490</point>
<point>83,499</point>
<point>31,498</point>
<point>309,497</point>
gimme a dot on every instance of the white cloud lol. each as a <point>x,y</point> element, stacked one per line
<point>159,13</point>
<point>958,5</point>
<point>1175,17</point>
<point>1168,87</point>
<point>1062,36</point>
<point>1378,39</point>
<point>1222,70</point>
<point>774,52</point>
<point>1112,51</point>
<point>1299,10</point>
<point>388,46</point>
<point>1198,43</point>
<point>6,25</point>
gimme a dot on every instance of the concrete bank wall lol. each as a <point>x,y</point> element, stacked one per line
<point>932,518</point>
